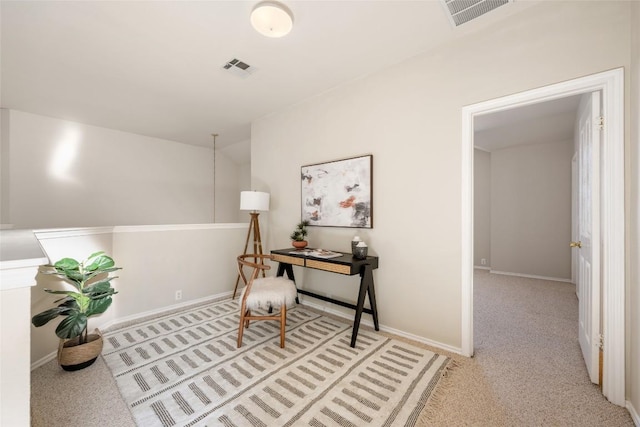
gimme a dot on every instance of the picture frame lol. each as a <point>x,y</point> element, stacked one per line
<point>338,193</point>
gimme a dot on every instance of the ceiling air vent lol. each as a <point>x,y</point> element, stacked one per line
<point>461,11</point>
<point>239,68</point>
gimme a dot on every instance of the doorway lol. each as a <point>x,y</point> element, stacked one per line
<point>610,83</point>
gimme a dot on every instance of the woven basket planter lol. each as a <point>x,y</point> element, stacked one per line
<point>73,357</point>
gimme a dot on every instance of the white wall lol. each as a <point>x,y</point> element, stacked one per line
<point>67,174</point>
<point>481,208</point>
<point>14,357</point>
<point>531,209</point>
<point>409,118</point>
<point>227,188</point>
<point>4,167</point>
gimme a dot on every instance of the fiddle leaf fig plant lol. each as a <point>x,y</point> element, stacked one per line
<point>91,295</point>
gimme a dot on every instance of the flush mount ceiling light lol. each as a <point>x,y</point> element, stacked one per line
<point>271,19</point>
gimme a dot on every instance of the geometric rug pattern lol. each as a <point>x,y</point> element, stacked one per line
<point>184,369</point>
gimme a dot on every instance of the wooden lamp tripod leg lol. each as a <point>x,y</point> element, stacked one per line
<point>254,225</point>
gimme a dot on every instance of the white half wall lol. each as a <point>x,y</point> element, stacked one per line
<point>198,259</point>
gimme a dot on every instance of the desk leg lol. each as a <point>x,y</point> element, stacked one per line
<point>366,283</point>
<point>372,302</point>
<point>287,268</point>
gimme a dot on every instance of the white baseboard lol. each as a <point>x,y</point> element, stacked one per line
<point>634,414</point>
<point>160,311</point>
<point>481,267</point>
<point>531,276</point>
<point>45,359</point>
<point>369,323</point>
<point>146,314</point>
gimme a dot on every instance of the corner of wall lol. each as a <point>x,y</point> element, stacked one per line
<point>5,115</point>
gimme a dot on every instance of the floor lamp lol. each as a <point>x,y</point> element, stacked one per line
<point>253,201</point>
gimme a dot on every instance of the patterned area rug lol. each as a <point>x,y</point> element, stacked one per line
<point>184,369</point>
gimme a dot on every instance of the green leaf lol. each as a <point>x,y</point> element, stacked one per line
<point>70,293</point>
<point>95,254</point>
<point>67,264</point>
<point>72,326</point>
<point>83,303</point>
<point>64,300</point>
<point>98,287</point>
<point>47,315</point>
<point>98,306</point>
<point>100,262</point>
<point>74,275</point>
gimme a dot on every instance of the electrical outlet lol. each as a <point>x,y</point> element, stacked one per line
<point>483,261</point>
<point>178,295</point>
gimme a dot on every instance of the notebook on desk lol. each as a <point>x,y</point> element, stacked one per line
<point>316,253</point>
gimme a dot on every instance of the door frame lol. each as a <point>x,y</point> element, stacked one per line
<point>612,220</point>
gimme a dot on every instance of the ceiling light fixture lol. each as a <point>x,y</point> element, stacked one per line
<point>271,19</point>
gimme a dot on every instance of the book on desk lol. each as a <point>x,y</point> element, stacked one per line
<point>316,253</point>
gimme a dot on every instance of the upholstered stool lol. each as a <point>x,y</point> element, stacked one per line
<point>264,293</point>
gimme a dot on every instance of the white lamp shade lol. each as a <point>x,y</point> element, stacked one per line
<point>271,19</point>
<point>254,201</point>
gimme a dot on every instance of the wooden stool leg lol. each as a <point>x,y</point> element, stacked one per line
<point>241,328</point>
<point>283,323</point>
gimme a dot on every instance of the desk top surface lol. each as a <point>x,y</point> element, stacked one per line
<point>344,259</point>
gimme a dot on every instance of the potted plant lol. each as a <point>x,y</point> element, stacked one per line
<point>299,234</point>
<point>91,296</point>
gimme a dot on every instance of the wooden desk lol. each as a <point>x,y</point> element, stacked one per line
<point>344,264</point>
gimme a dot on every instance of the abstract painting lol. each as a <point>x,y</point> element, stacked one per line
<point>338,193</point>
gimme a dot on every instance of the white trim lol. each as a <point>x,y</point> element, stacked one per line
<point>60,233</point>
<point>44,359</point>
<point>147,314</point>
<point>175,227</point>
<point>22,277</point>
<point>383,328</point>
<point>23,263</point>
<point>633,413</point>
<point>611,83</point>
<point>530,276</point>
<point>466,275</point>
<point>481,267</point>
<point>613,240</point>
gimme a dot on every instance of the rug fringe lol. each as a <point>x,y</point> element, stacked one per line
<point>434,404</point>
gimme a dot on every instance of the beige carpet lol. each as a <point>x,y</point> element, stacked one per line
<point>527,371</point>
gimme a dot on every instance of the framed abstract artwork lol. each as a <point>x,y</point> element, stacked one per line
<point>338,193</point>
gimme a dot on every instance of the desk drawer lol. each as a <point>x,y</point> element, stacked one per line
<point>288,259</point>
<point>329,266</point>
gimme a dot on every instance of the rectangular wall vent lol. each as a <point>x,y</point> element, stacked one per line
<point>239,68</point>
<point>461,11</point>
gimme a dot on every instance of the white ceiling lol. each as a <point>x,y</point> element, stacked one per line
<point>551,121</point>
<point>155,67</point>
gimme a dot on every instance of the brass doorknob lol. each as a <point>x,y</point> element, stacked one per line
<point>575,244</point>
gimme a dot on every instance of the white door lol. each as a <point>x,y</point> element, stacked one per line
<point>588,244</point>
<point>574,219</point>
